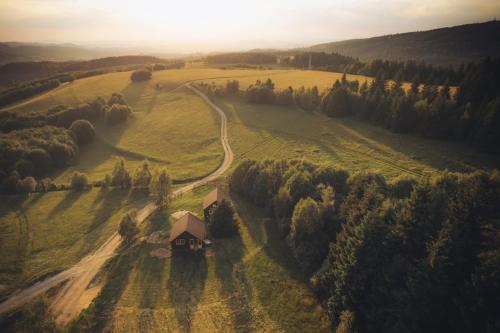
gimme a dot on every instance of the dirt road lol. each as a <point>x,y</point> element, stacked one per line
<point>68,302</point>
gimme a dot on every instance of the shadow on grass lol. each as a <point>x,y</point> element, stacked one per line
<point>235,287</point>
<point>188,272</point>
<point>68,201</point>
<point>109,204</point>
<point>151,280</point>
<point>133,91</point>
<point>99,314</point>
<point>159,220</point>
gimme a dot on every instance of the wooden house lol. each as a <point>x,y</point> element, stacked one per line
<point>188,233</point>
<point>210,202</point>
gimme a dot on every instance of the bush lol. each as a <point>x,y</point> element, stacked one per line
<point>79,181</point>
<point>141,75</point>
<point>83,131</point>
<point>128,227</point>
<point>121,176</point>
<point>27,185</point>
<point>222,222</point>
<point>117,113</point>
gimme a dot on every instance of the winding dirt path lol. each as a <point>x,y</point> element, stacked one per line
<point>71,299</point>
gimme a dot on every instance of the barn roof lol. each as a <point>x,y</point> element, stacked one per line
<point>214,196</point>
<point>188,223</point>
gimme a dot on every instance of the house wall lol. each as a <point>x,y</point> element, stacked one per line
<point>208,211</point>
<point>186,237</point>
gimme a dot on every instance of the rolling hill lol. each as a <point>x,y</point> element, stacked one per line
<point>444,46</point>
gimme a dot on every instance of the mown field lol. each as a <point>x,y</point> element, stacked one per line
<point>273,132</point>
<point>247,283</point>
<point>174,128</point>
<point>49,232</point>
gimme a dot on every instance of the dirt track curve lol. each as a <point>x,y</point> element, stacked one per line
<point>68,302</point>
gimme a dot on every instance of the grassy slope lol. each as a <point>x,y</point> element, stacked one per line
<point>266,131</point>
<point>250,283</point>
<point>48,232</point>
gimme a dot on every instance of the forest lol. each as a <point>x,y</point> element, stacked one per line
<point>401,256</point>
<point>35,144</point>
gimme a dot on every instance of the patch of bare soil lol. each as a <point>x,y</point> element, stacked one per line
<point>157,237</point>
<point>161,253</point>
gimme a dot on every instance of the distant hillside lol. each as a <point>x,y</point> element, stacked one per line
<point>454,45</point>
<point>22,52</point>
<point>24,71</point>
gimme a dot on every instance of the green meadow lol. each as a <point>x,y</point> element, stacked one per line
<point>247,283</point>
<point>49,232</point>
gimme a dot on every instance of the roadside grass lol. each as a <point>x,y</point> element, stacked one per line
<point>275,132</point>
<point>49,232</point>
<point>249,283</point>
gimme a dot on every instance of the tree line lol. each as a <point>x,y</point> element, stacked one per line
<point>401,256</point>
<point>409,71</point>
<point>33,144</point>
<point>254,58</point>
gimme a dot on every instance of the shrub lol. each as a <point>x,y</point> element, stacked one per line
<point>83,131</point>
<point>142,176</point>
<point>128,227</point>
<point>121,176</point>
<point>26,185</point>
<point>79,181</point>
<point>141,75</point>
<point>116,98</point>
<point>160,188</point>
<point>117,113</point>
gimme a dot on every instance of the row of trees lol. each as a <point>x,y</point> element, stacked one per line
<point>404,256</point>
<point>265,93</point>
<point>254,58</point>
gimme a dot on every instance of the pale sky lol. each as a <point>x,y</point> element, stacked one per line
<point>203,25</point>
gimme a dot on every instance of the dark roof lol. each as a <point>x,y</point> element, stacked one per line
<point>188,223</point>
<point>214,196</point>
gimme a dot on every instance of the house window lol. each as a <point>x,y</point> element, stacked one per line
<point>191,242</point>
<point>199,242</point>
<point>180,241</point>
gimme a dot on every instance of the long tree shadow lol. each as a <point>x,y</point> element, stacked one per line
<point>133,91</point>
<point>68,201</point>
<point>152,270</point>
<point>99,314</point>
<point>110,203</point>
<point>151,279</point>
<point>235,288</point>
<point>188,273</point>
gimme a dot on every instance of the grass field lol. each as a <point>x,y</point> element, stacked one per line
<point>273,132</point>
<point>249,283</point>
<point>49,232</point>
<point>175,129</point>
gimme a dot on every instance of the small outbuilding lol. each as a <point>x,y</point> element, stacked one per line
<point>210,202</point>
<point>188,233</point>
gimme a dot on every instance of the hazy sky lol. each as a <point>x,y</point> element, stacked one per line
<point>189,25</point>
